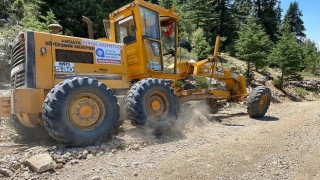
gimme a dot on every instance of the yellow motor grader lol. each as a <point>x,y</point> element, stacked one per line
<point>73,86</point>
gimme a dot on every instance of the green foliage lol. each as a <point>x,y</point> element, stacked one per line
<point>214,17</point>
<point>186,24</point>
<point>300,91</point>
<point>70,12</point>
<point>32,17</point>
<point>245,25</point>
<point>293,19</point>
<point>154,1</point>
<point>277,83</point>
<point>18,9</point>
<point>288,56</point>
<point>179,83</point>
<point>253,44</point>
<point>269,14</point>
<point>5,8</point>
<point>311,56</point>
<point>166,3</point>
<point>184,54</point>
<point>200,47</point>
<point>241,10</point>
<point>201,82</point>
<point>227,26</point>
<point>8,34</point>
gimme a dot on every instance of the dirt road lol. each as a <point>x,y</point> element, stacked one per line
<point>229,145</point>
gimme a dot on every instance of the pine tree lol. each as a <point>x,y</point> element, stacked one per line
<point>311,56</point>
<point>269,13</point>
<point>200,47</point>
<point>154,1</point>
<point>253,44</point>
<point>32,16</point>
<point>293,19</point>
<point>227,26</point>
<point>196,14</point>
<point>5,8</point>
<point>288,56</point>
<point>69,13</point>
<point>241,10</point>
<point>166,3</point>
<point>18,9</point>
<point>203,14</point>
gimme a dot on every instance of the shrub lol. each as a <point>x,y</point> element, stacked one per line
<point>201,82</point>
<point>277,83</point>
<point>300,91</point>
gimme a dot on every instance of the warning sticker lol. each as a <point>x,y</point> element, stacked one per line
<point>63,67</point>
<point>106,53</point>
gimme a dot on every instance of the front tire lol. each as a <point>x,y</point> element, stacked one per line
<point>151,103</point>
<point>80,111</point>
<point>259,102</point>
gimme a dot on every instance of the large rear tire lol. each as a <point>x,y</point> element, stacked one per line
<point>151,103</point>
<point>80,111</point>
<point>29,134</point>
<point>259,102</point>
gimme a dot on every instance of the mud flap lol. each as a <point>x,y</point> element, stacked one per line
<point>5,106</point>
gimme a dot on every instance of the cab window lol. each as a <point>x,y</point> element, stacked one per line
<point>126,30</point>
<point>150,23</point>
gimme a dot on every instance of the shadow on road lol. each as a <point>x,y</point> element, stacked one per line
<point>267,118</point>
<point>219,118</point>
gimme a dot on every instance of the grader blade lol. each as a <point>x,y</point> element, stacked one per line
<point>5,106</point>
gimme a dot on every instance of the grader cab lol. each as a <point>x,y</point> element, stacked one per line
<point>73,86</point>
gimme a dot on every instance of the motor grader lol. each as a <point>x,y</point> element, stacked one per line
<point>73,86</point>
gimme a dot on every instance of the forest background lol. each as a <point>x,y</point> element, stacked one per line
<point>256,31</point>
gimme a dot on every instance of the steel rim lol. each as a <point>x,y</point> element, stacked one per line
<point>157,105</point>
<point>85,111</point>
<point>263,101</point>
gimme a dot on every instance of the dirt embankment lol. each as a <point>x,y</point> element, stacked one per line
<point>4,72</point>
<point>283,145</point>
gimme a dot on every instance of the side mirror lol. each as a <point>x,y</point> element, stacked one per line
<point>185,44</point>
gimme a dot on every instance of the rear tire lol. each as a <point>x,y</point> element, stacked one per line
<point>151,103</point>
<point>80,111</point>
<point>259,102</point>
<point>27,133</point>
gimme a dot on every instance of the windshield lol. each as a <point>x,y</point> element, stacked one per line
<point>168,34</point>
<point>150,23</point>
<point>126,30</point>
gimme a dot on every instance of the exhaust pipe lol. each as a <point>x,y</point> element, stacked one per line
<point>89,25</point>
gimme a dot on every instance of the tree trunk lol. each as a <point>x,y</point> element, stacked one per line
<point>314,67</point>
<point>281,78</point>
<point>248,69</point>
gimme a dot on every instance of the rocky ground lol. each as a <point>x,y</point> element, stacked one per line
<point>227,145</point>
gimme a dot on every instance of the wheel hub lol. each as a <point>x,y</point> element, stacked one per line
<point>156,105</point>
<point>263,101</point>
<point>85,111</point>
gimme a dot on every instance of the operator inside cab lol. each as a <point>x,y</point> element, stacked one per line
<point>157,42</point>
